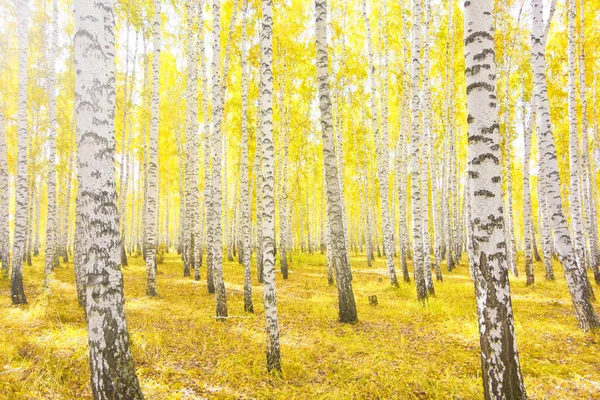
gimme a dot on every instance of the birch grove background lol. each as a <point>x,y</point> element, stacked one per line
<point>298,199</point>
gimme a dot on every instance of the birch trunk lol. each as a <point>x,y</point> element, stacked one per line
<point>111,364</point>
<point>574,165</point>
<point>382,155</point>
<point>152,194</point>
<point>123,179</point>
<point>267,188</point>
<point>574,275</point>
<point>527,210</point>
<point>416,202</point>
<point>217,247</point>
<point>191,141</point>
<point>207,152</point>
<point>52,219</point>
<point>335,220</point>
<point>499,356</point>
<point>4,202</point>
<point>425,153</point>
<point>245,251</point>
<point>17,293</point>
<point>588,188</point>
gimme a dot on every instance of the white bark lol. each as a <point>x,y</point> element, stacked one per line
<point>574,275</point>
<point>245,250</point>
<point>574,164</point>
<point>191,141</point>
<point>4,202</point>
<point>17,292</point>
<point>382,155</point>
<point>113,372</point>
<point>217,245</point>
<point>52,220</point>
<point>499,356</point>
<point>152,195</point>
<point>335,219</point>
<point>267,187</point>
<point>415,168</point>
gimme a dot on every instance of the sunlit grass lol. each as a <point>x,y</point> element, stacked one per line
<point>399,349</point>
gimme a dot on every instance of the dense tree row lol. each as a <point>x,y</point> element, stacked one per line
<point>256,130</point>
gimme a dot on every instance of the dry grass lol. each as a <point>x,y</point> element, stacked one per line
<point>399,349</point>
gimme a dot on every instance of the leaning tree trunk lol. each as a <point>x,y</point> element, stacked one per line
<point>52,220</point>
<point>335,222</point>
<point>267,186</point>
<point>415,190</point>
<point>499,356</point>
<point>382,155</point>
<point>574,275</point>
<point>17,293</point>
<point>111,364</point>
<point>217,245</point>
<point>152,193</point>
<point>245,251</point>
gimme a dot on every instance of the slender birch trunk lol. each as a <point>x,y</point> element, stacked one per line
<point>52,219</point>
<point>339,251</point>
<point>382,155</point>
<point>111,364</point>
<point>415,189</point>
<point>267,186</point>
<point>574,164</point>
<point>123,178</point>
<point>4,203</point>
<point>499,356</point>
<point>588,188</point>
<point>217,246</point>
<point>245,250</point>
<point>17,293</point>
<point>152,198</point>
<point>425,153</point>
<point>574,275</point>
<point>191,141</point>
<point>527,210</point>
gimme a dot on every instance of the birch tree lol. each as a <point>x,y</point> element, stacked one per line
<point>4,202</point>
<point>382,155</point>
<point>527,210</point>
<point>191,141</point>
<point>51,231</point>
<point>335,222</point>
<point>217,211</point>
<point>499,356</point>
<point>574,164</point>
<point>152,194</point>
<point>267,187</point>
<point>587,180</point>
<point>17,293</point>
<point>111,364</point>
<point>573,271</point>
<point>415,189</point>
<point>245,251</point>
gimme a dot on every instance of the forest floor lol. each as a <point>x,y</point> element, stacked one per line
<point>399,348</point>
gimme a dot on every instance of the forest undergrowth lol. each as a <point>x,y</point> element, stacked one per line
<point>400,348</point>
